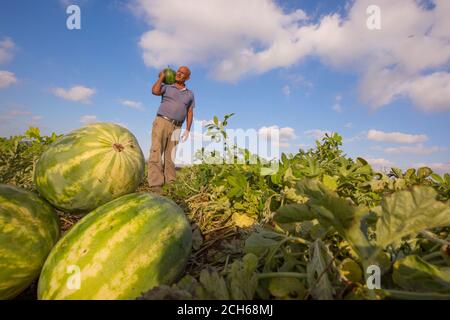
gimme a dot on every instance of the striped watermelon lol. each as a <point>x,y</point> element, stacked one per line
<point>28,230</point>
<point>119,251</point>
<point>89,167</point>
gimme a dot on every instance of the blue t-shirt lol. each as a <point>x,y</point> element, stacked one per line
<point>175,102</point>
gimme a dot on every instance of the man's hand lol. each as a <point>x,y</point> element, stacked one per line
<point>185,135</point>
<point>161,75</point>
<point>156,89</point>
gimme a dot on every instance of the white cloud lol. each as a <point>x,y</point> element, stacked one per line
<point>376,135</point>
<point>271,131</point>
<point>76,93</point>
<point>432,92</point>
<point>36,118</point>
<point>132,104</point>
<point>380,163</point>
<point>7,79</point>
<point>439,167</point>
<point>286,90</point>
<point>408,54</point>
<point>337,108</point>
<point>296,81</point>
<point>360,136</point>
<point>7,48</point>
<point>88,119</point>
<point>13,114</point>
<point>242,27</point>
<point>287,133</point>
<point>18,112</point>
<point>16,120</point>
<point>284,134</point>
<point>317,133</point>
<point>348,125</point>
<point>337,104</point>
<point>418,149</point>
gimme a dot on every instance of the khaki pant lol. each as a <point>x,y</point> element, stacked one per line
<point>165,137</point>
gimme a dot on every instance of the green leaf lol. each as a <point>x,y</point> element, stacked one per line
<point>227,116</point>
<point>213,285</point>
<point>319,231</point>
<point>235,192</point>
<point>330,182</point>
<point>364,170</point>
<point>317,272</point>
<point>424,172</point>
<point>216,120</point>
<point>294,213</point>
<point>268,171</point>
<point>33,132</point>
<point>413,273</point>
<point>447,177</point>
<point>361,161</point>
<point>242,280</point>
<point>262,241</point>
<point>437,178</point>
<point>408,212</point>
<point>351,271</point>
<point>291,194</point>
<point>287,288</point>
<point>397,172</point>
<point>338,212</point>
<point>409,173</point>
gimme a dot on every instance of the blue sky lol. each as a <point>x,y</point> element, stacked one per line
<point>303,67</point>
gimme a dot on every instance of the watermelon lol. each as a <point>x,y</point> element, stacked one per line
<point>169,76</point>
<point>118,251</point>
<point>89,167</point>
<point>29,228</point>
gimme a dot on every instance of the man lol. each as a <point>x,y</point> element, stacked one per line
<point>177,104</point>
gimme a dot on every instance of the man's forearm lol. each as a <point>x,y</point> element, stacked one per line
<point>156,89</point>
<point>189,121</point>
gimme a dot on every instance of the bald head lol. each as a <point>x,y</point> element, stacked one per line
<point>185,69</point>
<point>183,74</point>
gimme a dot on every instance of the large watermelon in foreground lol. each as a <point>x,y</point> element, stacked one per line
<point>89,167</point>
<point>119,251</point>
<point>28,230</point>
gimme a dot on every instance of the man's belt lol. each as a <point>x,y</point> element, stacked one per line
<point>175,122</point>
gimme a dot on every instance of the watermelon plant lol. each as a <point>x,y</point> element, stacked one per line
<point>19,154</point>
<point>309,230</point>
<point>89,167</point>
<point>28,230</point>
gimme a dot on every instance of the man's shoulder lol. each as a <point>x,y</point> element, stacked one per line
<point>190,91</point>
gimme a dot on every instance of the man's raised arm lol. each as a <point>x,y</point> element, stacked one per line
<point>156,89</point>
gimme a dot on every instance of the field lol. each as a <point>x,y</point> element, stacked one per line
<point>323,226</point>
